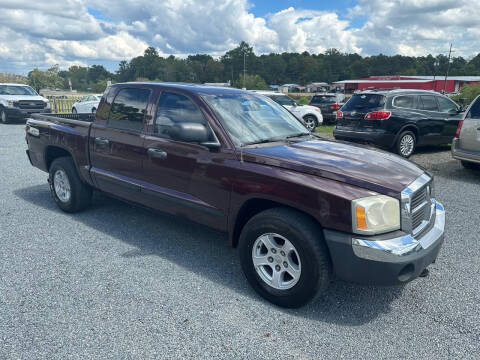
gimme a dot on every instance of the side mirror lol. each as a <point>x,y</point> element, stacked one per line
<point>194,133</point>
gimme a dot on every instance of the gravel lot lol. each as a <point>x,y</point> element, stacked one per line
<point>119,282</point>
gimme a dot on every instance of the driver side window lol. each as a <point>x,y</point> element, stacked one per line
<point>174,109</point>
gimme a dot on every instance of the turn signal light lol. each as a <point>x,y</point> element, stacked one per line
<point>339,114</point>
<point>360,217</point>
<point>459,128</point>
<point>378,115</point>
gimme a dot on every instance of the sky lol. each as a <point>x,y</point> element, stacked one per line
<point>84,32</point>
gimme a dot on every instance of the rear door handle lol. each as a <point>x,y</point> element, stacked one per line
<point>101,141</point>
<point>157,153</point>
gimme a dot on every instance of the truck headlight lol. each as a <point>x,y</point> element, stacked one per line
<point>47,105</point>
<point>10,103</point>
<point>375,214</point>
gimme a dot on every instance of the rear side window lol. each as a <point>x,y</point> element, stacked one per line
<point>427,102</point>
<point>446,105</point>
<point>360,102</point>
<point>173,109</point>
<point>474,112</point>
<point>404,102</point>
<point>128,109</point>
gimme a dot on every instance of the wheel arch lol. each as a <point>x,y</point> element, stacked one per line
<point>408,127</point>
<point>254,206</point>
<point>53,152</point>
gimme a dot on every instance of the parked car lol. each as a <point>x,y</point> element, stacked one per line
<point>398,120</point>
<point>17,101</point>
<point>301,209</point>
<point>466,144</point>
<point>87,104</point>
<point>311,115</point>
<point>328,105</point>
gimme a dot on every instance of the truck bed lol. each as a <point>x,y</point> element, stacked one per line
<point>51,134</point>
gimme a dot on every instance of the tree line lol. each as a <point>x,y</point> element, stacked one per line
<point>299,68</point>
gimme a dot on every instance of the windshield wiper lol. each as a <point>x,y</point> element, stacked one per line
<point>298,135</point>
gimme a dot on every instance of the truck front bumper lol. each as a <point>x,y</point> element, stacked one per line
<point>387,259</point>
<point>17,113</point>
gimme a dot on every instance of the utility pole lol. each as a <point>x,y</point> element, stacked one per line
<point>244,69</point>
<point>448,68</point>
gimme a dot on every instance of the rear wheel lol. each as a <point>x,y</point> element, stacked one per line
<point>310,122</point>
<point>284,257</point>
<point>4,117</point>
<point>70,193</point>
<point>406,144</point>
<point>74,111</point>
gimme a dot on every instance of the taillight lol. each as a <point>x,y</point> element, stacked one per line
<point>334,107</point>
<point>378,115</point>
<point>459,128</point>
<point>339,114</point>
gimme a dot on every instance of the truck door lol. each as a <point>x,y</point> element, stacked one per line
<point>116,146</point>
<point>181,177</point>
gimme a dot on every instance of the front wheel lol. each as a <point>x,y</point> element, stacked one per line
<point>284,257</point>
<point>70,193</point>
<point>406,144</point>
<point>310,122</point>
<point>4,117</point>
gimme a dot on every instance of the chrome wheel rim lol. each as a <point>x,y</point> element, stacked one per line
<point>310,123</point>
<point>406,145</point>
<point>276,261</point>
<point>62,186</point>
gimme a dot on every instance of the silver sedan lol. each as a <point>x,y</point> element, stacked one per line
<point>466,144</point>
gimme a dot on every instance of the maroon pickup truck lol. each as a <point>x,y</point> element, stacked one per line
<point>301,209</point>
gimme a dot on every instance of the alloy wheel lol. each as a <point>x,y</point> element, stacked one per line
<point>276,261</point>
<point>407,144</point>
<point>61,184</point>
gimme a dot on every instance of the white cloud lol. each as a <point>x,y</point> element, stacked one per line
<point>42,33</point>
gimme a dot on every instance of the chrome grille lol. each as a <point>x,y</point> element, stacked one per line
<point>28,105</point>
<point>417,205</point>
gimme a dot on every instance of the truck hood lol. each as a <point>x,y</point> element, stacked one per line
<point>357,165</point>
<point>22,97</point>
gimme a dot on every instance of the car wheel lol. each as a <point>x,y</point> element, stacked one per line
<point>93,111</point>
<point>310,122</point>
<point>470,165</point>
<point>4,117</point>
<point>284,257</point>
<point>406,144</point>
<point>70,193</point>
<point>74,111</point>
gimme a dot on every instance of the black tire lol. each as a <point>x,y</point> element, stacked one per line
<point>74,111</point>
<point>306,236</point>
<point>406,144</point>
<point>470,165</point>
<point>80,193</point>
<point>4,117</point>
<point>310,119</point>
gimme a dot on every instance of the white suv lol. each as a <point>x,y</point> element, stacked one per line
<point>17,101</point>
<point>311,115</point>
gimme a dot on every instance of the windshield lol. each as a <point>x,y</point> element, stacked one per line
<point>282,100</point>
<point>364,102</point>
<point>16,90</point>
<point>250,119</point>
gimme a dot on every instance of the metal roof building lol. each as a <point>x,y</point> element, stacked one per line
<point>438,83</point>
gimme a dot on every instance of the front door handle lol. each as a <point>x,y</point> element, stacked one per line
<point>157,153</point>
<point>101,141</point>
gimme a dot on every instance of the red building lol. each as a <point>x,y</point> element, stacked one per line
<point>452,84</point>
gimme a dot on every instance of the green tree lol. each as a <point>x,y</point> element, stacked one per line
<point>252,82</point>
<point>39,79</point>
<point>468,92</point>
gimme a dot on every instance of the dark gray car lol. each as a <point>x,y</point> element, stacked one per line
<point>466,144</point>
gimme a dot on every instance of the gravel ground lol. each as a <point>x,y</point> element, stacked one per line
<point>119,282</point>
